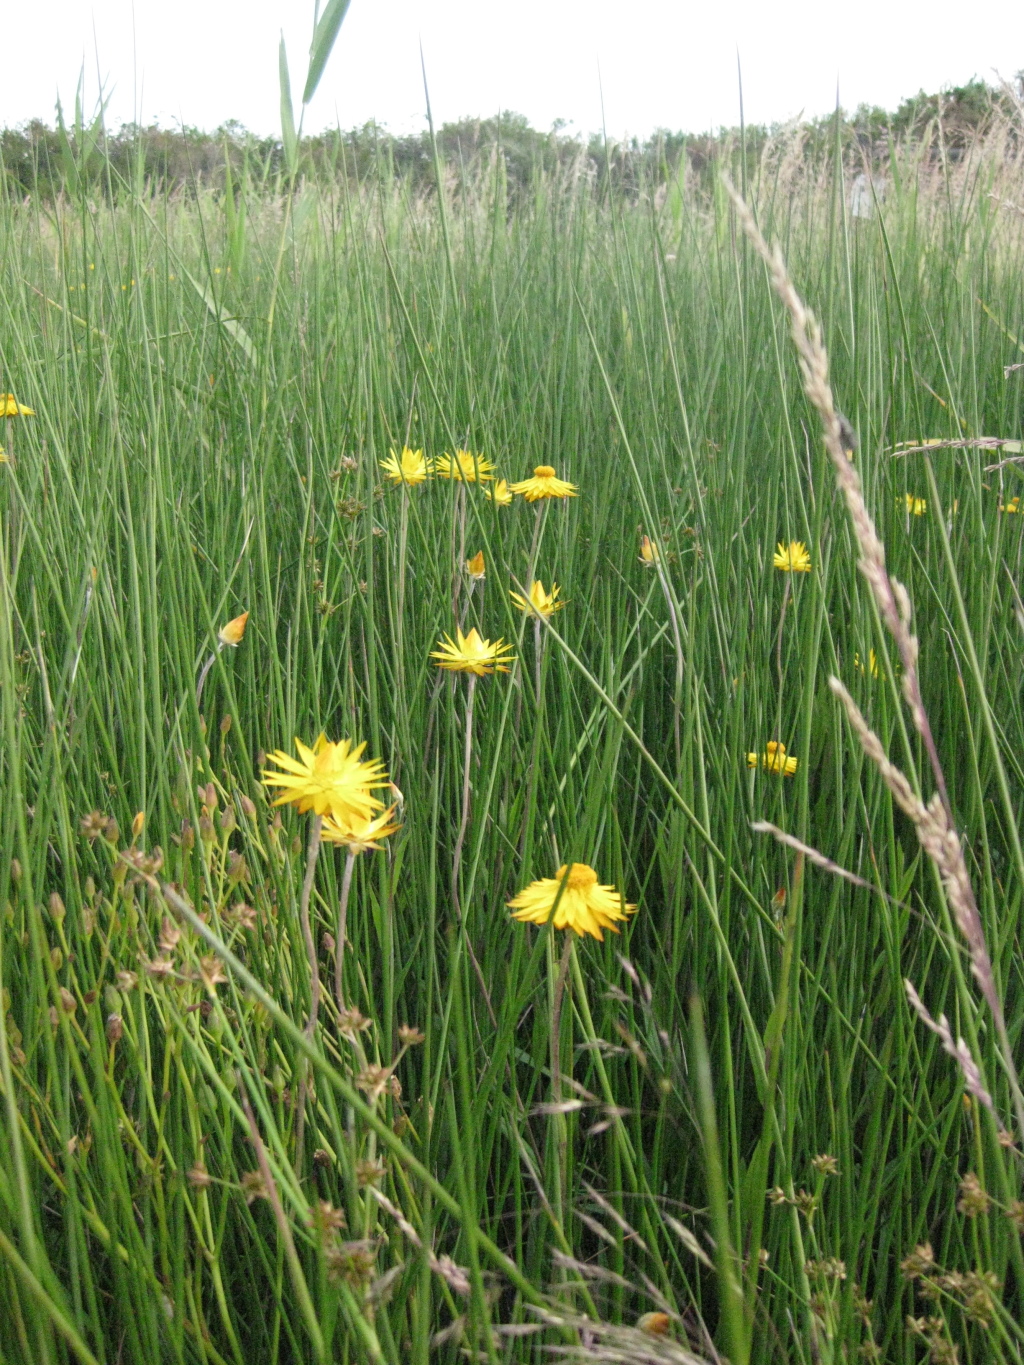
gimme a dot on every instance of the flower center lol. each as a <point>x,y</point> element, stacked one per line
<point>581,877</point>
<point>544,471</point>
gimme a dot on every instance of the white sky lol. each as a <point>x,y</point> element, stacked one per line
<point>659,62</point>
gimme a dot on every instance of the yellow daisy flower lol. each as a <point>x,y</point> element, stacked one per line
<point>1012,506</point>
<point>583,906</point>
<point>464,468</point>
<point>359,835</point>
<point>539,603</point>
<point>329,779</point>
<point>471,654</point>
<point>916,506</point>
<point>649,552</point>
<point>544,484</point>
<point>499,494</point>
<point>10,407</point>
<point>232,633</point>
<point>475,567</point>
<point>409,468</point>
<point>792,557</point>
<point>774,759</point>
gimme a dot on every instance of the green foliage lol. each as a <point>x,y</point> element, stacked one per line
<point>216,377</point>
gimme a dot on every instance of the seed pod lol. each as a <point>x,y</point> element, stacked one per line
<point>115,1028</point>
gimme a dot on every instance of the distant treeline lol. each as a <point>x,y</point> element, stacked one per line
<point>36,159</point>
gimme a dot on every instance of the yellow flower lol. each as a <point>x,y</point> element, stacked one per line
<point>499,494</point>
<point>470,654</point>
<point>4,457</point>
<point>916,506</point>
<point>544,484</point>
<point>1012,506</point>
<point>410,467</point>
<point>232,633</point>
<point>475,567</point>
<point>359,835</point>
<point>649,552</point>
<point>774,759</point>
<point>539,603</point>
<point>465,467</point>
<point>328,779</point>
<point>872,667</point>
<point>583,906</point>
<point>10,407</point>
<point>792,557</point>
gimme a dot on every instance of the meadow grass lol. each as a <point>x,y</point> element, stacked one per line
<point>729,1114</point>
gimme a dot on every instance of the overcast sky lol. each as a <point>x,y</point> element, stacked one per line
<point>659,63</point>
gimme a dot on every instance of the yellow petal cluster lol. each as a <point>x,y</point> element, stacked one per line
<point>774,759</point>
<point>915,506</point>
<point>578,901</point>
<point>540,602</point>
<point>500,494</point>
<point>464,467</point>
<point>10,407</point>
<point>544,484</point>
<point>472,654</point>
<point>329,779</point>
<point>792,558</point>
<point>1012,506</point>
<point>359,835</point>
<point>475,567</point>
<point>649,553</point>
<point>409,468</point>
<point>231,634</point>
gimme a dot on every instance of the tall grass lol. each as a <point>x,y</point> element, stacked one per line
<point>741,1123</point>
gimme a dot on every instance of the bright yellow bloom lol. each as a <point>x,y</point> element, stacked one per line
<point>916,506</point>
<point>465,467</point>
<point>410,467</point>
<point>10,407</point>
<point>361,835</point>
<point>328,779</point>
<point>649,552</point>
<point>792,557</point>
<point>475,567</point>
<point>872,667</point>
<point>774,759</point>
<point>470,654</point>
<point>583,906</point>
<point>499,494</point>
<point>1012,506</point>
<point>4,457</point>
<point>539,603</point>
<point>232,633</point>
<point>544,484</point>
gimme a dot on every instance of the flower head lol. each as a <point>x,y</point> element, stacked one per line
<point>475,567</point>
<point>539,602</point>
<point>544,484</point>
<point>232,633</point>
<point>792,557</point>
<point>579,903</point>
<point>464,467</point>
<point>499,494</point>
<point>649,552</point>
<point>410,467</point>
<point>359,835</point>
<point>1012,506</point>
<point>329,779</point>
<point>915,506</point>
<point>471,654</point>
<point>872,664</point>
<point>10,407</point>
<point>774,759</point>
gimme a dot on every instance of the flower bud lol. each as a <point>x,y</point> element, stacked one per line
<point>115,1028</point>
